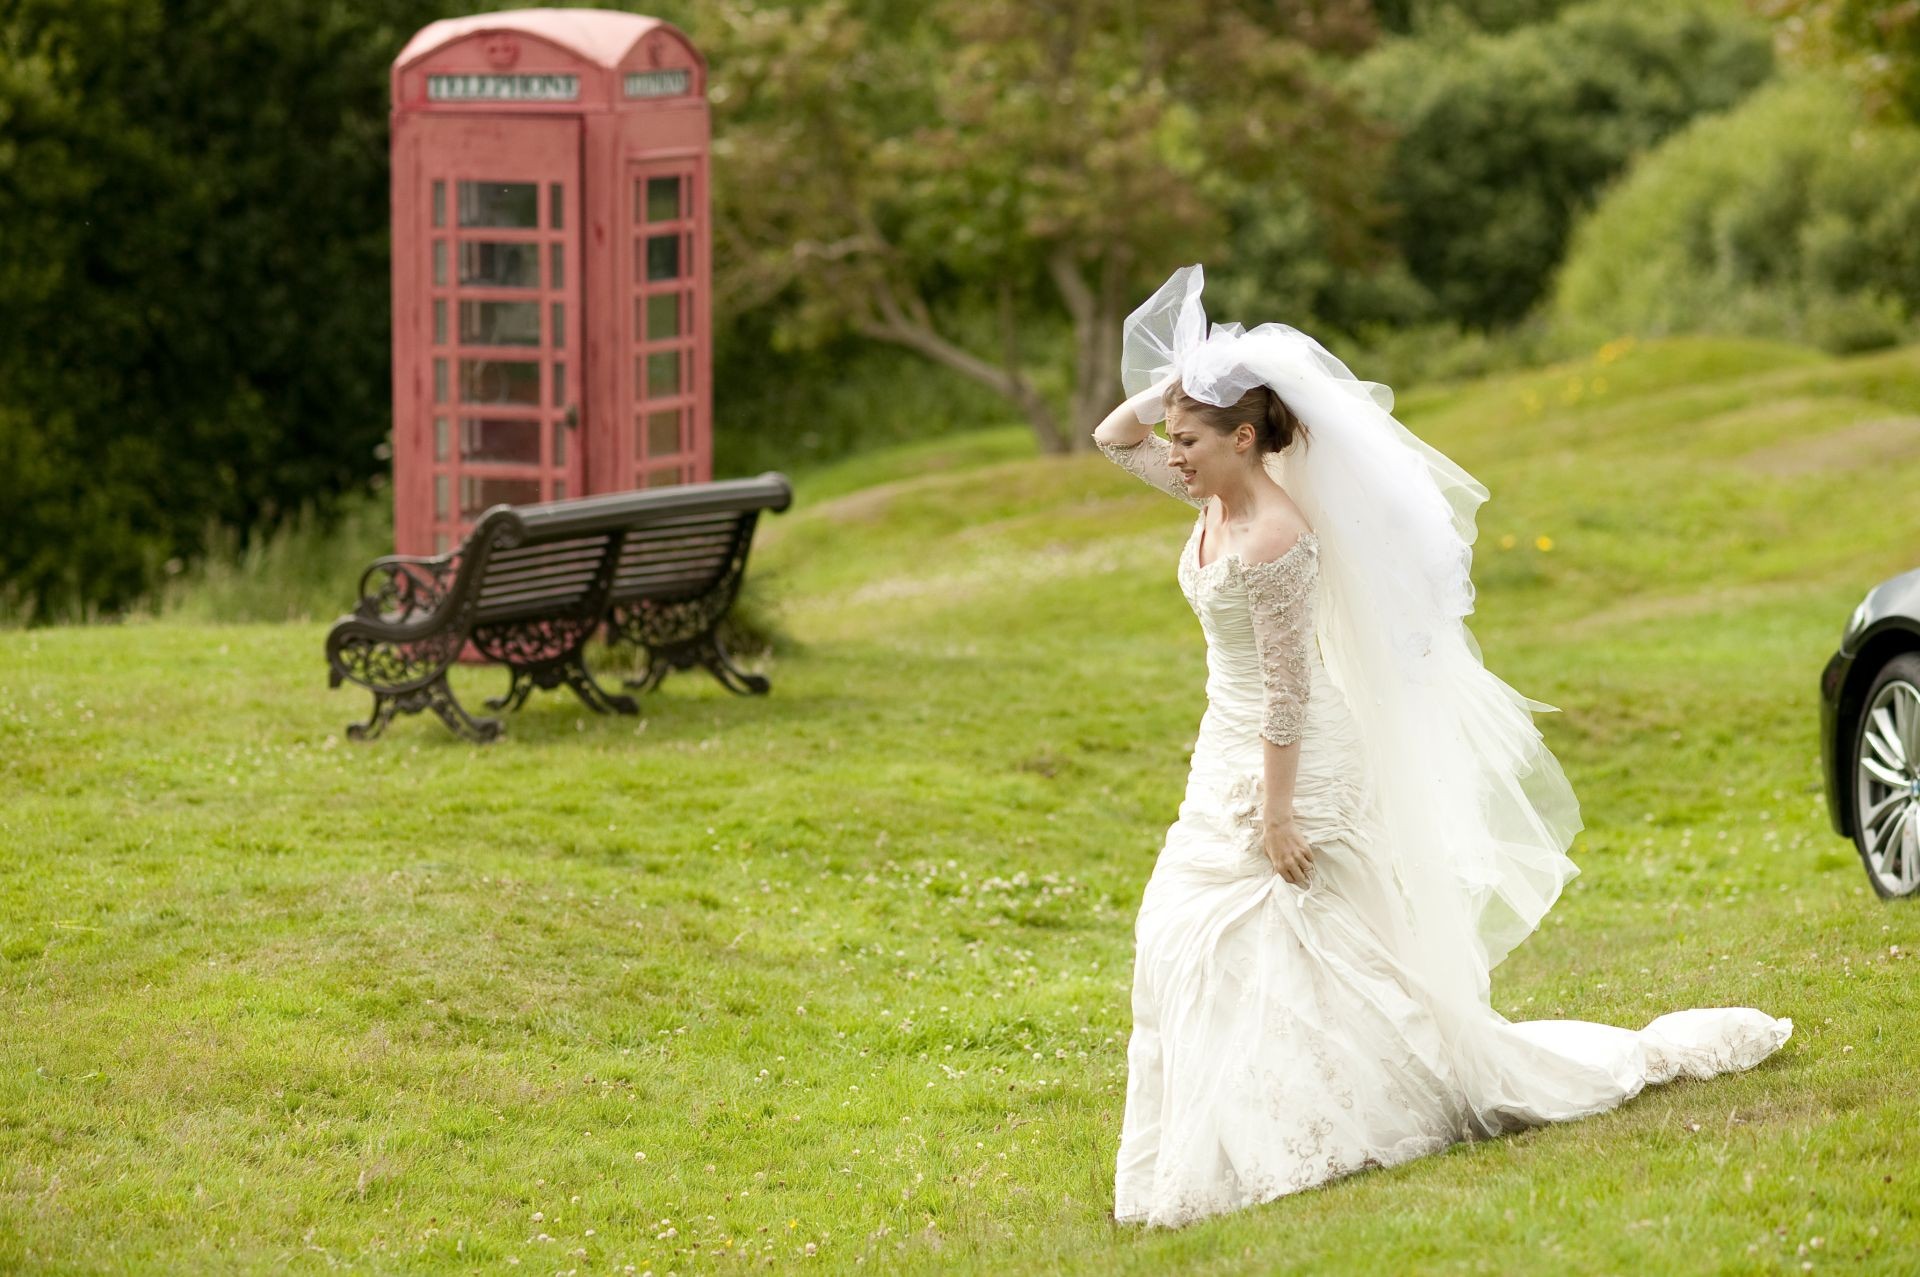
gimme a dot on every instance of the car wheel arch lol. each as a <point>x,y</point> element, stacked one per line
<point>1867,664</point>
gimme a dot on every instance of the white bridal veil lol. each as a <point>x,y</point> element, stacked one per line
<point>1474,810</point>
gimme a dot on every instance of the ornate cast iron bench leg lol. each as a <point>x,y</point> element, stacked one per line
<point>570,670</point>
<point>581,680</point>
<point>436,696</point>
<point>679,636</point>
<point>720,662</point>
<point>439,698</point>
<point>520,686</point>
<point>383,708</point>
<point>706,651</point>
<point>653,675</point>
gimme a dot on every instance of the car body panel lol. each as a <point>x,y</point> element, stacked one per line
<point>1885,624</point>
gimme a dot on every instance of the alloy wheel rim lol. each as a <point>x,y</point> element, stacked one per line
<point>1887,787</point>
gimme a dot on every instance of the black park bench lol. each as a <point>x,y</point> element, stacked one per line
<point>531,584</point>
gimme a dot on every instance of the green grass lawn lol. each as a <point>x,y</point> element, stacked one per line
<point>839,975</point>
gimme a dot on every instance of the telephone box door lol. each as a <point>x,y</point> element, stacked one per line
<point>498,390</point>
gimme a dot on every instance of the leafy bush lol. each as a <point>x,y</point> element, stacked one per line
<point>1420,16</point>
<point>1791,217</point>
<point>1505,138</point>
<point>199,330</point>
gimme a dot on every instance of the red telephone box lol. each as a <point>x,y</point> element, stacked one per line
<point>551,265</point>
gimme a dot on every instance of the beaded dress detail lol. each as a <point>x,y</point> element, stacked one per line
<point>1280,1038</point>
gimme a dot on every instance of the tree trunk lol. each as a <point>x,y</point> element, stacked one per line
<point>911,326</point>
<point>1096,340</point>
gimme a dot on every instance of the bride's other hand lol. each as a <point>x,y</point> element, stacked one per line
<point>1124,426</point>
<point>1287,851</point>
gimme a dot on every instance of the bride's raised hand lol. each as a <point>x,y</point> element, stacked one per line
<point>1287,851</point>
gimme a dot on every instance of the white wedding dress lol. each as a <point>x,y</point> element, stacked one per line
<point>1281,1037</point>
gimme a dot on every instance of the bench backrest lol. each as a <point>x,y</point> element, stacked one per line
<point>572,558</point>
<point>545,578</point>
<point>680,557</point>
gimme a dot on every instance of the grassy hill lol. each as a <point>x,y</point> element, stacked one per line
<point>841,973</point>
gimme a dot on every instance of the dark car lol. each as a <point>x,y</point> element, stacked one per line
<point>1870,734</point>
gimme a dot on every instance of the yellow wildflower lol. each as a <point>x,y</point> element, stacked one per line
<point>1614,349</point>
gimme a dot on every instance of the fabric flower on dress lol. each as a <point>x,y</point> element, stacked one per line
<point>1242,805</point>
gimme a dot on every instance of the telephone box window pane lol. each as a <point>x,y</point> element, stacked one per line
<point>480,493</point>
<point>490,264</point>
<point>500,381</point>
<point>663,199</point>
<point>559,489</point>
<point>499,323</point>
<point>559,385</point>
<point>662,316</point>
<point>439,543</point>
<point>500,439</point>
<point>663,433</point>
<point>556,208</point>
<point>559,272</point>
<point>439,263</point>
<point>560,447</point>
<point>500,204</point>
<point>440,438</point>
<point>439,203</point>
<point>559,325</point>
<point>663,257</point>
<point>441,487</point>
<point>439,381</point>
<point>664,478</point>
<point>439,322</point>
<point>663,374</point>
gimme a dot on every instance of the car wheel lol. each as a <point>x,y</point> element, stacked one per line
<point>1886,778</point>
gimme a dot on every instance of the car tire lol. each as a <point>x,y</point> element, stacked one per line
<point>1885,778</point>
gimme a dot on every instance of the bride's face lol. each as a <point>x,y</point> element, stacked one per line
<point>1203,457</point>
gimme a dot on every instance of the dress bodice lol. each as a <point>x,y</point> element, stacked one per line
<point>1262,657</point>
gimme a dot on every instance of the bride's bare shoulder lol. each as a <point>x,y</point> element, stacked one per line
<point>1273,537</point>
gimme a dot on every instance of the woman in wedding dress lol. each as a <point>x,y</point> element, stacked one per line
<point>1371,821</point>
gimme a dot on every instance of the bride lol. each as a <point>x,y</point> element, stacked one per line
<point>1371,821</point>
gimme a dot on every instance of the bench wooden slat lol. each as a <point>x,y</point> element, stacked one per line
<point>659,584</point>
<point>569,572</point>
<point>640,549</point>
<point>554,602</point>
<point>680,549</point>
<point>715,558</point>
<point>523,559</point>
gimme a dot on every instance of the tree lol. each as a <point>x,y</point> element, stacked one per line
<point>193,276</point>
<point>1006,166</point>
<point>1504,140</point>
<point>1876,43</point>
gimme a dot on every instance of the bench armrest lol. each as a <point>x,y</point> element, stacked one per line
<point>400,587</point>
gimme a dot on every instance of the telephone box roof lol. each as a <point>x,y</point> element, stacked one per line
<point>601,36</point>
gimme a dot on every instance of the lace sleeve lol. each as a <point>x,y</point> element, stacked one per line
<point>1148,460</point>
<point>1280,597</point>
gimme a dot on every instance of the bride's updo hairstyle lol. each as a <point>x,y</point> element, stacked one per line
<point>1274,425</point>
